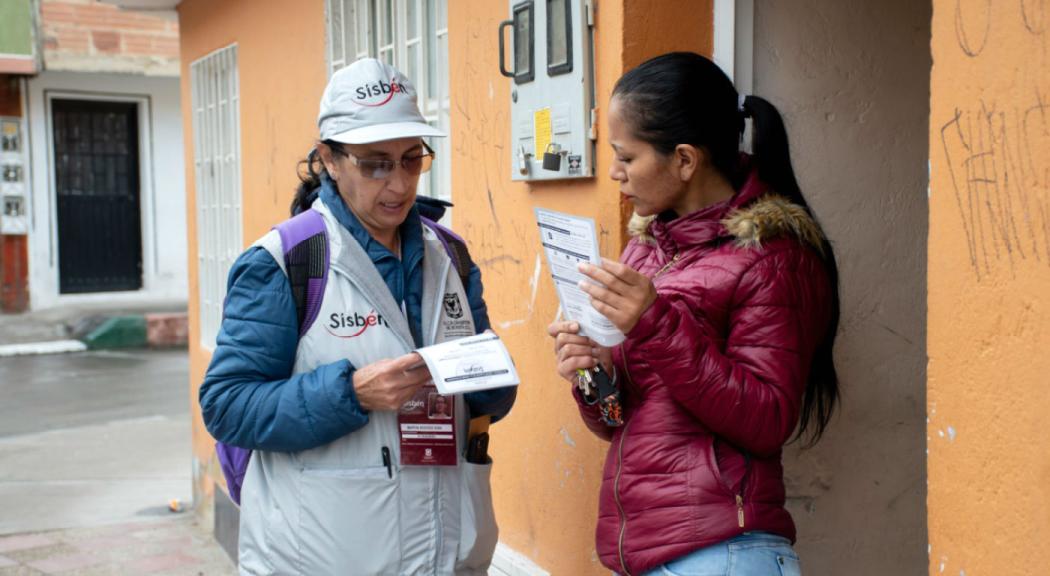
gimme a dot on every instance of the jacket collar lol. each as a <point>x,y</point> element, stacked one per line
<point>754,214</point>
<point>411,229</point>
<point>705,225</point>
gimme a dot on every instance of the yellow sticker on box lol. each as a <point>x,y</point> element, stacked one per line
<point>541,129</point>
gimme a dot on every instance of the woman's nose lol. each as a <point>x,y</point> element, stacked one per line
<point>399,180</point>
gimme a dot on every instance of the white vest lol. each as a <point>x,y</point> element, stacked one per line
<point>333,510</point>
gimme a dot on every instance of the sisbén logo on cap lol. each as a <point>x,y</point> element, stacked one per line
<point>378,90</point>
<point>358,105</point>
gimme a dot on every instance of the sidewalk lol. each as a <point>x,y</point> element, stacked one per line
<point>174,546</point>
<point>93,445</point>
<point>158,324</point>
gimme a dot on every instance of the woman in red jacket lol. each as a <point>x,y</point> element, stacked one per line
<point>728,296</point>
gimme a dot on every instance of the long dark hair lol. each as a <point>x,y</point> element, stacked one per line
<point>309,171</point>
<point>684,98</point>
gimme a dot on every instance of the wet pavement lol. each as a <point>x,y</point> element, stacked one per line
<point>93,446</point>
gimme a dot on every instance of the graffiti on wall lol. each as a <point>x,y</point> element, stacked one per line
<point>974,20</point>
<point>997,150</point>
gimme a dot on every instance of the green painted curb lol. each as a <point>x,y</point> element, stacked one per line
<point>118,332</point>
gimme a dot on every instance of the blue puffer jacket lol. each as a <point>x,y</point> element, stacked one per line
<point>249,398</point>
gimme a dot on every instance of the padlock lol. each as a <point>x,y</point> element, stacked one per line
<point>552,158</point>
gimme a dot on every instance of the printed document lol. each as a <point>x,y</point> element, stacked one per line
<point>569,240</point>
<point>470,364</point>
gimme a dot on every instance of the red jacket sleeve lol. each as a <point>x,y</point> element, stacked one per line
<point>747,388</point>
<point>592,417</point>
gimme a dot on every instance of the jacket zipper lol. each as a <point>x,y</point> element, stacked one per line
<point>740,496</point>
<point>740,510</point>
<point>619,505</point>
<point>747,459</point>
<point>674,260</point>
<point>619,471</point>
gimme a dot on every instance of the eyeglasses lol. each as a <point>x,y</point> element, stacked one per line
<point>381,169</point>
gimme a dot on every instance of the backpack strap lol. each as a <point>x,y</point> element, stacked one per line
<point>304,240</point>
<point>456,248</point>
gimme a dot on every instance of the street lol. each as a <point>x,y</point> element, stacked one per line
<point>93,446</point>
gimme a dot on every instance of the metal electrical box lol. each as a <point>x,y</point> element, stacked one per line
<point>12,177</point>
<point>551,68</point>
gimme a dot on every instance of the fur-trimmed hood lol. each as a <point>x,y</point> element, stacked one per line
<point>768,217</point>
<point>729,339</point>
<point>772,216</point>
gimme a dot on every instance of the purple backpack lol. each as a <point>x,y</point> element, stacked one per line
<point>304,240</point>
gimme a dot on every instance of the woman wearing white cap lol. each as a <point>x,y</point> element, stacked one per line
<point>321,397</point>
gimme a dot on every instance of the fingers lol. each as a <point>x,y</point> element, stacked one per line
<point>557,328</point>
<point>606,296</point>
<point>612,274</point>
<point>403,393</point>
<point>579,355</point>
<point>413,366</point>
<point>564,340</point>
<point>567,368</point>
<point>602,276</point>
<point>577,349</point>
<point>386,384</point>
<point>407,363</point>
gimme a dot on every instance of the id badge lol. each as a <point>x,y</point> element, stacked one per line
<point>427,429</point>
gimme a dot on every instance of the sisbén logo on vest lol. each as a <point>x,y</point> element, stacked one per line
<point>378,93</point>
<point>352,324</point>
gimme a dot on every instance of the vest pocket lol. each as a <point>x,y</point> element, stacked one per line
<point>478,532</point>
<point>349,518</point>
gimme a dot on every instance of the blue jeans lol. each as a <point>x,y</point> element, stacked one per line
<point>750,554</point>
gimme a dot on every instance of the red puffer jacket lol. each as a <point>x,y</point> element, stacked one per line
<point>712,379</point>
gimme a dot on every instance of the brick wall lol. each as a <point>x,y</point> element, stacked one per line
<point>88,36</point>
<point>14,272</point>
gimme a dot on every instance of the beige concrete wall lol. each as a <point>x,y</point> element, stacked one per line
<point>852,80</point>
<point>989,289</point>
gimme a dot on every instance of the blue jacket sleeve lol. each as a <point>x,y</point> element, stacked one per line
<point>496,402</point>
<point>249,397</point>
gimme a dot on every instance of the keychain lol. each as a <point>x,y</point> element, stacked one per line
<point>597,388</point>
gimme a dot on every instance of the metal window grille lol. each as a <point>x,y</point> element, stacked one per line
<point>412,35</point>
<point>217,172</point>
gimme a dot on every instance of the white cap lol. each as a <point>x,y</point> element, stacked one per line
<point>370,101</point>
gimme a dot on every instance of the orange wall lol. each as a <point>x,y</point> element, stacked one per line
<point>548,465</point>
<point>989,270</point>
<point>281,60</point>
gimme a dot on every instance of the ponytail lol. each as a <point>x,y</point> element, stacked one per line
<point>684,98</point>
<point>309,171</point>
<point>772,160</point>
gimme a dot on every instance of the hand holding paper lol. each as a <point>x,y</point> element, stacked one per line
<point>570,241</point>
<point>620,293</point>
<point>470,364</point>
<point>387,384</point>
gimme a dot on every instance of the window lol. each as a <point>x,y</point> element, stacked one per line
<point>217,171</point>
<point>411,35</point>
